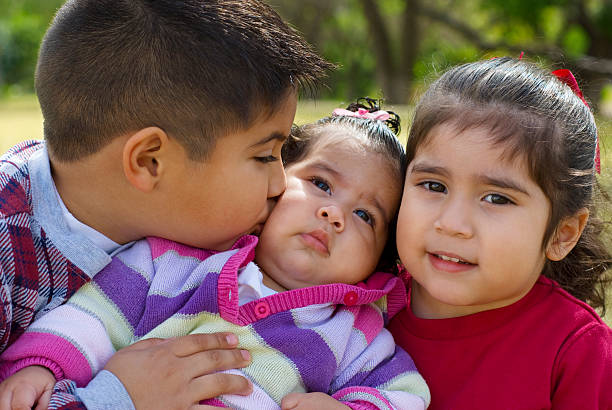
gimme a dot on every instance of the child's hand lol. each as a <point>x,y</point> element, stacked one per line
<point>177,373</point>
<point>30,386</point>
<point>314,401</point>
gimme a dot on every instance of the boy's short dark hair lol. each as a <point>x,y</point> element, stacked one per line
<point>198,69</point>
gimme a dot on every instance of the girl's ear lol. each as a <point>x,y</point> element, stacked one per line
<point>566,235</point>
<point>142,157</point>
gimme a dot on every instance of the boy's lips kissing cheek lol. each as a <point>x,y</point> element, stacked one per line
<point>449,262</point>
<point>317,240</point>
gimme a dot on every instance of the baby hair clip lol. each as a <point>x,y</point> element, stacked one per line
<point>568,78</point>
<point>380,115</point>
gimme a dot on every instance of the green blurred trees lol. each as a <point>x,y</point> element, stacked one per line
<point>392,45</point>
<point>389,47</point>
<point>22,25</point>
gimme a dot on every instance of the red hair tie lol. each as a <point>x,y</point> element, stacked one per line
<point>568,78</point>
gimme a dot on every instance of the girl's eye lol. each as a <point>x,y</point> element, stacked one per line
<point>267,159</point>
<point>434,186</point>
<point>321,184</point>
<point>497,199</point>
<point>369,219</point>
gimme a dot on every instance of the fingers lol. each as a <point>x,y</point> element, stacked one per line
<point>44,400</point>
<point>6,396</point>
<point>211,361</point>
<point>195,343</point>
<point>217,384</point>
<point>290,401</point>
<point>23,399</point>
<point>144,344</point>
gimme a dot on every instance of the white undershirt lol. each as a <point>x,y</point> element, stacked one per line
<point>250,285</point>
<point>78,227</point>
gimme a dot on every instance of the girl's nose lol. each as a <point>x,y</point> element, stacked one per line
<point>454,219</point>
<point>333,215</point>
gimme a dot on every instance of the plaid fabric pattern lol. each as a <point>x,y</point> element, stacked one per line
<point>35,276</point>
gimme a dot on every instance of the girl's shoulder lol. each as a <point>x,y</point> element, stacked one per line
<point>551,298</point>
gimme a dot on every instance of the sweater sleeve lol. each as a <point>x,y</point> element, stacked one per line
<point>104,392</point>
<point>383,376</point>
<point>583,372</point>
<point>71,341</point>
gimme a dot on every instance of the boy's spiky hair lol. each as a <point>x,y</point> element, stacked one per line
<point>198,69</point>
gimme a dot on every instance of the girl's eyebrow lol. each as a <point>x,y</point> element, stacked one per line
<point>501,182</point>
<point>429,169</point>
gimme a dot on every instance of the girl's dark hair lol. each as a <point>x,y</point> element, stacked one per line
<point>537,117</point>
<point>381,137</point>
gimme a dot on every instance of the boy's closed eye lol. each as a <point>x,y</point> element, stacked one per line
<point>267,159</point>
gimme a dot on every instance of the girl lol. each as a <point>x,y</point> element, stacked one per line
<point>499,233</point>
<point>305,314</point>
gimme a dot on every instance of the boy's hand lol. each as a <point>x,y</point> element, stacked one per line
<point>314,401</point>
<point>177,373</point>
<point>30,386</point>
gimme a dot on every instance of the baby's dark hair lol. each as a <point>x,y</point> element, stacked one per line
<point>380,137</point>
<point>537,117</point>
<point>197,69</point>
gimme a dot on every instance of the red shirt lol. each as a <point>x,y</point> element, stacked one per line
<point>548,350</point>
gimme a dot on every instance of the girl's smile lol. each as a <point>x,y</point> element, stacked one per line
<point>471,225</point>
<point>451,264</point>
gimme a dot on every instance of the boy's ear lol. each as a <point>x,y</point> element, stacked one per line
<point>566,235</point>
<point>142,153</point>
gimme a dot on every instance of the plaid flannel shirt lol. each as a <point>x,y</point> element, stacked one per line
<point>41,265</point>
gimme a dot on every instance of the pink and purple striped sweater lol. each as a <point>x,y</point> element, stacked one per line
<point>327,338</point>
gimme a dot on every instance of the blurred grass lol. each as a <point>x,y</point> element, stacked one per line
<point>20,119</point>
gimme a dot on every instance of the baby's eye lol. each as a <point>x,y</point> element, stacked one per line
<point>365,215</point>
<point>497,199</point>
<point>321,184</point>
<point>267,159</point>
<point>434,186</point>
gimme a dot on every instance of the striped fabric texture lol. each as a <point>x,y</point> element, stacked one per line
<point>327,338</point>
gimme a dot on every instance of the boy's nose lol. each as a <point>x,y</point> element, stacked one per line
<point>277,182</point>
<point>333,215</point>
<point>454,220</point>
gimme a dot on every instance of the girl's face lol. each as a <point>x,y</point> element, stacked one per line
<point>471,225</point>
<point>331,223</point>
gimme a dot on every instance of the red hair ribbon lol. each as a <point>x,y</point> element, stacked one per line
<point>568,78</point>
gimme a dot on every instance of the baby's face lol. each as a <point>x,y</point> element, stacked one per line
<point>331,224</point>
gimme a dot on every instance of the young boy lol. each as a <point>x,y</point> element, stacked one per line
<point>161,119</point>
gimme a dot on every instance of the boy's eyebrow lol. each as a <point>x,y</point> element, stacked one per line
<point>497,181</point>
<point>274,136</point>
